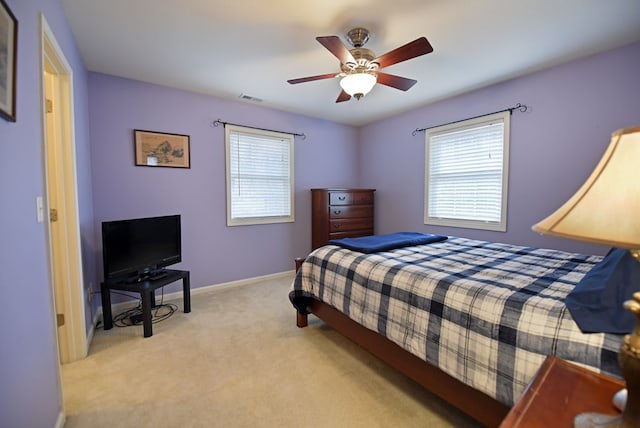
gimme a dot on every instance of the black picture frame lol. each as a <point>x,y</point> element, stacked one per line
<point>8,62</point>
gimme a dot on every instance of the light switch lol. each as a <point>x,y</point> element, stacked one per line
<point>39,209</point>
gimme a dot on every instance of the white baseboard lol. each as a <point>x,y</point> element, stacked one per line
<point>92,330</point>
<point>60,421</point>
<point>177,295</point>
<point>232,284</point>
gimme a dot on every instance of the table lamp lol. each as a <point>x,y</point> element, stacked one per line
<point>606,210</point>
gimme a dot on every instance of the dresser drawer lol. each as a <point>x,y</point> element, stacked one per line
<point>350,211</point>
<point>350,198</point>
<point>351,234</point>
<point>345,225</point>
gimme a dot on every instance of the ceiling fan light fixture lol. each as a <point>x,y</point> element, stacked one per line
<point>358,84</point>
<point>359,66</point>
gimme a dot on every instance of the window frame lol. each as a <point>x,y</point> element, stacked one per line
<point>469,223</point>
<point>245,221</point>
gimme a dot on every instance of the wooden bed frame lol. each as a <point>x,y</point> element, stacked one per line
<point>476,404</point>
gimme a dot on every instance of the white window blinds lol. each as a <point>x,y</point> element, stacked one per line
<point>259,176</point>
<point>466,173</point>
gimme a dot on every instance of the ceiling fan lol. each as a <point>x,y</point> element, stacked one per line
<point>360,66</point>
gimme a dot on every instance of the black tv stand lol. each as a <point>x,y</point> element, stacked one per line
<point>148,276</point>
<point>146,286</point>
<point>159,274</point>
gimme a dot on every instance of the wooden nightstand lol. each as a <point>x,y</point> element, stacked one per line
<point>559,391</point>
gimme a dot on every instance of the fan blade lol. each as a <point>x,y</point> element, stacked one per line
<point>337,48</point>
<point>343,97</point>
<point>413,49</point>
<point>312,78</point>
<point>394,81</point>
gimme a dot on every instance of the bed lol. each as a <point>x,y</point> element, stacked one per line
<point>470,320</point>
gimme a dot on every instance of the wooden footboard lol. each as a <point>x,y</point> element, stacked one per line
<point>476,404</point>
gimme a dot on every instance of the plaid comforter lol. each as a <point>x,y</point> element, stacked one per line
<point>485,313</point>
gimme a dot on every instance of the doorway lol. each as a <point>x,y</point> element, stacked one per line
<point>61,205</point>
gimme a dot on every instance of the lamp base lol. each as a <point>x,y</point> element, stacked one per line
<point>629,358</point>
<point>620,399</point>
<point>597,420</point>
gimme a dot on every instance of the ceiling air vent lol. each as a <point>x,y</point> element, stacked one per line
<point>250,98</point>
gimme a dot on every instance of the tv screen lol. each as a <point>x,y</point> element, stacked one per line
<point>136,247</point>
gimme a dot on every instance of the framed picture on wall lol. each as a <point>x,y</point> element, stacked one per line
<point>8,49</point>
<point>161,149</point>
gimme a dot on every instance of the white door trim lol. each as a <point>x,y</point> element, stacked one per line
<point>72,342</point>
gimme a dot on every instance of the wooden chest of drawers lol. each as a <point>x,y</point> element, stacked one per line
<point>340,213</point>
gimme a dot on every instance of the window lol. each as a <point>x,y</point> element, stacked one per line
<point>466,172</point>
<point>259,176</point>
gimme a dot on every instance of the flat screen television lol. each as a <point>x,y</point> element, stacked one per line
<point>140,247</point>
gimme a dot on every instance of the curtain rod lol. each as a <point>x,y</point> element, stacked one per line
<point>217,122</point>
<point>520,107</point>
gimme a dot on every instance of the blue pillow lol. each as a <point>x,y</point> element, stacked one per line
<point>596,303</point>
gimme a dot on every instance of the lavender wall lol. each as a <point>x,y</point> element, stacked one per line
<point>29,384</point>
<point>213,252</point>
<point>573,109</point>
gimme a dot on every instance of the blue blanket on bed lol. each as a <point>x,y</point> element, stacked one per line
<point>377,243</point>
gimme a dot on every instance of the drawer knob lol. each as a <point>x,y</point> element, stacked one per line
<point>337,211</point>
<point>342,198</point>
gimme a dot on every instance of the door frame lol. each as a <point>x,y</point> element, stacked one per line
<point>72,342</point>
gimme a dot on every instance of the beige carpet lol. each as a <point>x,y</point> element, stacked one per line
<point>238,360</point>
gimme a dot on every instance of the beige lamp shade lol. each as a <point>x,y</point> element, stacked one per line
<point>606,209</point>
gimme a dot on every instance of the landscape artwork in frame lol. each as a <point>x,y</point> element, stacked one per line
<point>161,149</point>
<point>8,44</point>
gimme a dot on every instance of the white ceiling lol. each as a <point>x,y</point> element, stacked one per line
<point>252,47</point>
